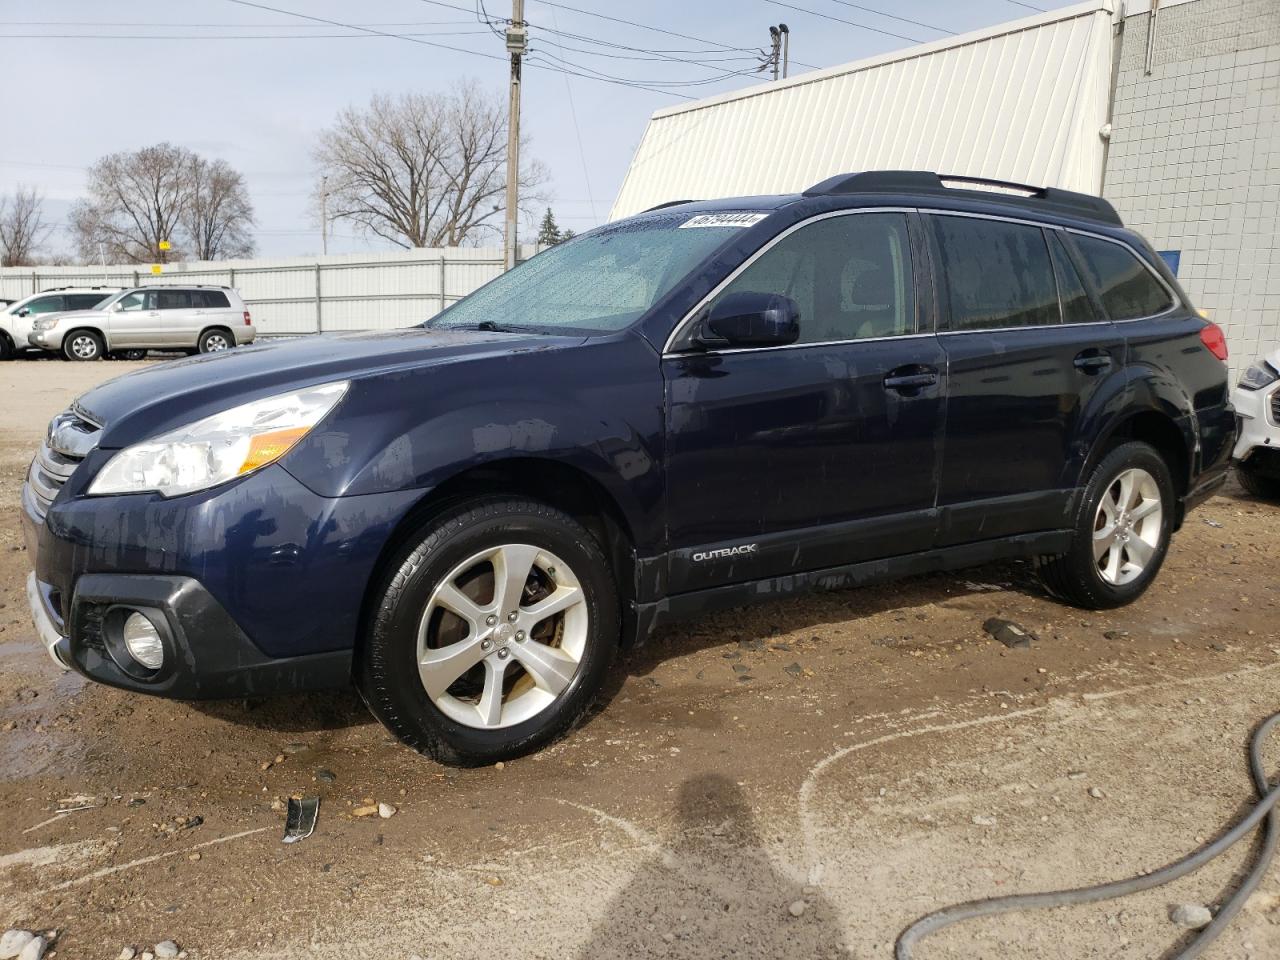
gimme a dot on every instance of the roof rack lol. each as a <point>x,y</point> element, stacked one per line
<point>922,181</point>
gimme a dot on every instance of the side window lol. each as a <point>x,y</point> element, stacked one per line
<point>172,300</point>
<point>209,299</point>
<point>1127,288</point>
<point>51,304</point>
<point>132,301</point>
<point>850,275</point>
<point>1076,307</point>
<point>996,274</point>
<point>84,301</point>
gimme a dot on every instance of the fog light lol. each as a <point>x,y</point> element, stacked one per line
<point>142,640</point>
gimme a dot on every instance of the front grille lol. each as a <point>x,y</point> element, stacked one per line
<point>70,439</point>
<point>1275,407</point>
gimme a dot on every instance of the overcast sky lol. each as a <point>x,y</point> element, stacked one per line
<point>258,98</point>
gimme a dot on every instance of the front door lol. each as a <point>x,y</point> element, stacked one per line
<point>821,453</point>
<point>1026,350</point>
<point>133,320</point>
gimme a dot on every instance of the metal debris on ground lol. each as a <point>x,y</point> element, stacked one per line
<point>1009,633</point>
<point>300,820</point>
<point>1213,523</point>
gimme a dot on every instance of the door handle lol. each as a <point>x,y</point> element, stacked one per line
<point>911,378</point>
<point>1092,361</point>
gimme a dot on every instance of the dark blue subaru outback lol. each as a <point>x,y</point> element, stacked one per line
<point>704,404</point>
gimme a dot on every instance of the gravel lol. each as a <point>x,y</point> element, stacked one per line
<point>12,942</point>
<point>1193,915</point>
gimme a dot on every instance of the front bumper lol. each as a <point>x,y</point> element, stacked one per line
<point>46,339</point>
<point>1257,422</point>
<point>258,584</point>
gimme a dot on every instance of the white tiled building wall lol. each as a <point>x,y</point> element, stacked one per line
<point>1194,160</point>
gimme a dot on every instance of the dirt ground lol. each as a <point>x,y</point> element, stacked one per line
<point>872,753</point>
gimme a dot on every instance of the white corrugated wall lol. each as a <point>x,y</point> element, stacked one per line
<point>1024,101</point>
<point>361,291</point>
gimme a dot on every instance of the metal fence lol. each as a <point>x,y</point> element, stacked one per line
<point>370,291</point>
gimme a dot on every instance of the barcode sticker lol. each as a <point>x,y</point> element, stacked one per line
<point>724,220</point>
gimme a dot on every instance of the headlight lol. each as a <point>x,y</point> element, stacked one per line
<point>1260,375</point>
<point>218,448</point>
<point>44,324</point>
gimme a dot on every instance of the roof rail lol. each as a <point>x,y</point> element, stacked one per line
<point>669,203</point>
<point>922,181</point>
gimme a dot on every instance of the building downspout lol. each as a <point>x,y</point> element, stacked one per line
<point>1117,47</point>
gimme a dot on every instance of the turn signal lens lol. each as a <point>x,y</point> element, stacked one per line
<point>266,447</point>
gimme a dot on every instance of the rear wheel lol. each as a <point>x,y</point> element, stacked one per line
<point>492,632</point>
<point>215,341</point>
<point>83,345</point>
<point>1258,483</point>
<point>1122,531</point>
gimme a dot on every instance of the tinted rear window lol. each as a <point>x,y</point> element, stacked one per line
<point>996,274</point>
<point>172,300</point>
<point>84,301</point>
<point>210,299</point>
<point>1128,289</point>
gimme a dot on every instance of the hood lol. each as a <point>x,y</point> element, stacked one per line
<point>168,395</point>
<point>74,315</point>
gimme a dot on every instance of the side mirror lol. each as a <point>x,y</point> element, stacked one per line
<point>23,312</point>
<point>751,319</point>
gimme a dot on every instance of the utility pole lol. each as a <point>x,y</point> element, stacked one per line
<point>786,47</point>
<point>324,215</point>
<point>517,42</point>
<point>776,39</point>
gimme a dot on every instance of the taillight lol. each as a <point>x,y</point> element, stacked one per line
<point>248,320</point>
<point>1214,341</point>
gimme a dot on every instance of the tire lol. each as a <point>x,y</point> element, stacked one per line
<point>83,345</point>
<point>215,340</point>
<point>461,721</point>
<point>1132,549</point>
<point>1258,484</point>
<point>136,354</point>
<point>6,347</point>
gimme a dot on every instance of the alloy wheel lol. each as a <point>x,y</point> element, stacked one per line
<point>502,636</point>
<point>1128,526</point>
<point>215,342</point>
<point>84,347</point>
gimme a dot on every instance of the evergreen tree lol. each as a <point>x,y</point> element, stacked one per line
<point>549,233</point>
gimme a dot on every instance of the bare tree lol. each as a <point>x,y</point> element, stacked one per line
<point>22,227</point>
<point>218,216</point>
<point>422,170</point>
<point>164,192</point>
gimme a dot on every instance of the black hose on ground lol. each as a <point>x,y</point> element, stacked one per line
<point>1265,808</point>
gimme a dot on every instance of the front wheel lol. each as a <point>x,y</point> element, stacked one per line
<point>6,347</point>
<point>1122,531</point>
<point>132,354</point>
<point>492,633</point>
<point>83,345</point>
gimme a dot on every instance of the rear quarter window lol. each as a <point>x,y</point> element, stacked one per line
<point>210,299</point>
<point>1128,289</point>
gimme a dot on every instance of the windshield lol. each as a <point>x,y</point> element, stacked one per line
<point>600,282</point>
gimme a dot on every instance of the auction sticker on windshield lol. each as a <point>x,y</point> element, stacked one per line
<point>724,220</point>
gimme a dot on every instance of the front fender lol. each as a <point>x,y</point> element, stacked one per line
<point>596,407</point>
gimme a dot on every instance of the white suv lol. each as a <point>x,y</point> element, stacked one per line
<point>1257,402</point>
<point>193,318</point>
<point>17,318</point>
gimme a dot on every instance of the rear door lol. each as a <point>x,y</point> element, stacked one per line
<point>1026,349</point>
<point>179,317</point>
<point>823,452</point>
<point>213,309</point>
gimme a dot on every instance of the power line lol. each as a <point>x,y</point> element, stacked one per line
<point>891,16</point>
<point>643,26</point>
<point>351,26</point>
<point>577,131</point>
<point>212,26</point>
<point>233,36</point>
<point>1029,6</point>
<point>849,23</point>
<point>724,75</point>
